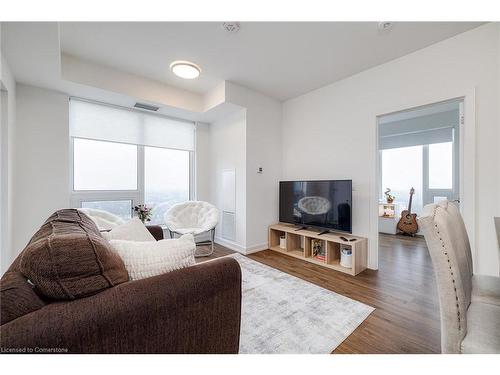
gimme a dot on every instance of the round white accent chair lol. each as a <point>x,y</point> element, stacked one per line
<point>194,217</point>
<point>104,220</point>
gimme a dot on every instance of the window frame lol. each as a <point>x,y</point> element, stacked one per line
<point>135,196</point>
<point>428,194</point>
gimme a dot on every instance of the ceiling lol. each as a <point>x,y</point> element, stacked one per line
<point>280,59</point>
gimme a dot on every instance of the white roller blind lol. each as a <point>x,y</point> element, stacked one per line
<point>426,137</point>
<point>108,123</point>
<point>418,131</point>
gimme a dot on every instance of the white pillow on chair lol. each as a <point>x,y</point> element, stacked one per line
<point>132,230</point>
<point>147,259</point>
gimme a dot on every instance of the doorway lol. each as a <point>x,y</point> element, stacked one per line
<point>419,153</point>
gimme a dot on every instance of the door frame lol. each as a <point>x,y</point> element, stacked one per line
<point>467,141</point>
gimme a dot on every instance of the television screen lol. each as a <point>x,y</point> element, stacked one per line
<point>321,204</point>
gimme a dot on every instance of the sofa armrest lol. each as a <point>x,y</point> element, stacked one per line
<point>192,310</point>
<point>156,231</point>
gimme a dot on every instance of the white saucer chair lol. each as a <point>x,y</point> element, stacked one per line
<point>195,217</point>
<point>104,220</point>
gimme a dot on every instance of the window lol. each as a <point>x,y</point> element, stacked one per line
<point>121,208</point>
<point>401,170</point>
<point>104,165</point>
<point>166,179</point>
<point>122,158</point>
<point>441,165</point>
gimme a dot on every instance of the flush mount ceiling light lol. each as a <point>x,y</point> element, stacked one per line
<point>185,69</point>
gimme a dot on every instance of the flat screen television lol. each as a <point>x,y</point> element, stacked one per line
<point>326,205</point>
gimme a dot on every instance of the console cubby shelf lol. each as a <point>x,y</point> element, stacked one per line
<point>299,245</point>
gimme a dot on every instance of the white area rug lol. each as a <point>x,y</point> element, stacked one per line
<point>284,314</point>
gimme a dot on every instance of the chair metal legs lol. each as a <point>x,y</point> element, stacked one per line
<point>210,242</point>
<point>213,238</point>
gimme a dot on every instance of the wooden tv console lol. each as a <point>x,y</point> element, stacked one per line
<point>298,245</point>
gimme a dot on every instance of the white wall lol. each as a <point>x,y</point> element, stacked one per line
<point>331,132</point>
<point>3,120</point>
<point>263,149</point>
<point>228,151</point>
<point>245,139</point>
<point>8,118</point>
<point>4,198</point>
<point>203,162</point>
<point>41,160</point>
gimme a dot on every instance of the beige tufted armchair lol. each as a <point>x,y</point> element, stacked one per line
<point>469,304</point>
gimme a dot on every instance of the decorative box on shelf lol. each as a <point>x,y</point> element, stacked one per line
<point>387,210</point>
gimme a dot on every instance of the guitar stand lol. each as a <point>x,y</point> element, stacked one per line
<point>405,234</point>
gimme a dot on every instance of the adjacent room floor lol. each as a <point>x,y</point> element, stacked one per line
<point>403,292</point>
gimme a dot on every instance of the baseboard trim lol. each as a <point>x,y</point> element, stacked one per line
<point>230,245</point>
<point>240,249</point>
<point>256,248</point>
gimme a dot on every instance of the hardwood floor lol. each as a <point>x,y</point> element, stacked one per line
<point>219,251</point>
<point>403,292</point>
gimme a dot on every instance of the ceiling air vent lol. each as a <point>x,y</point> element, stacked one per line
<point>146,107</point>
<point>231,27</point>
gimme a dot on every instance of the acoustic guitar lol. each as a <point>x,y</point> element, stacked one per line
<point>408,222</point>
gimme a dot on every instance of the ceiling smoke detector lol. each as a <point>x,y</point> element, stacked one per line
<point>385,25</point>
<point>231,27</point>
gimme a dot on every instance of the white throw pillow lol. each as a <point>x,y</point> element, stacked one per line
<point>147,259</point>
<point>132,230</point>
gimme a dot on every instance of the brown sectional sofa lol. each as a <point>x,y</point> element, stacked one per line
<point>66,293</point>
